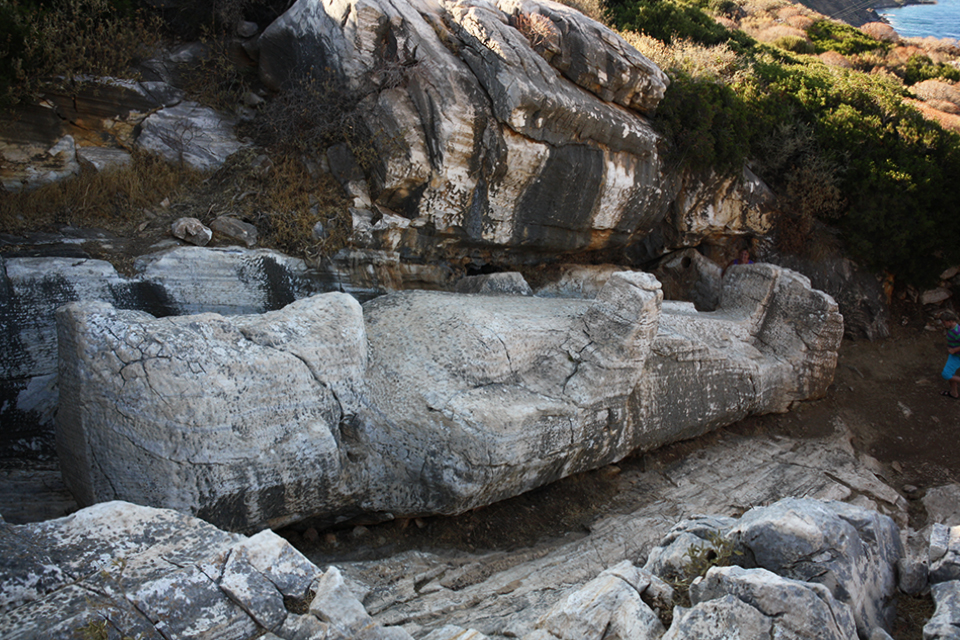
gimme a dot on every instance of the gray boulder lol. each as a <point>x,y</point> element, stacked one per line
<point>850,550</point>
<point>231,408</point>
<point>945,622</point>
<point>616,605</point>
<point>510,283</point>
<point>788,608</point>
<point>123,570</point>
<point>516,124</point>
<point>944,553</point>
<point>696,535</point>
<point>190,133</point>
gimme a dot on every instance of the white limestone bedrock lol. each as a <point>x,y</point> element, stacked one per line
<point>152,574</point>
<point>427,402</point>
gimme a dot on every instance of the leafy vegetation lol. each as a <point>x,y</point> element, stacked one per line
<point>716,551</point>
<point>57,42</point>
<point>837,145</point>
<point>921,67</point>
<point>828,35</point>
<point>668,21</point>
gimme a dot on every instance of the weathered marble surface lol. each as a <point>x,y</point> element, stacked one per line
<point>129,571</point>
<point>428,403</point>
<point>177,575</point>
<point>176,282</point>
<point>506,594</point>
<point>496,135</point>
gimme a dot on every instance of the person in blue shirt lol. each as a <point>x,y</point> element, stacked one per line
<point>950,373</point>
<point>742,258</point>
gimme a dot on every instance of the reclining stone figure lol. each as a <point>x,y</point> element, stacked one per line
<point>418,402</point>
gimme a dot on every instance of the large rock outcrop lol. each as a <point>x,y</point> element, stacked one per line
<point>511,124</point>
<point>428,402</point>
<point>99,122</point>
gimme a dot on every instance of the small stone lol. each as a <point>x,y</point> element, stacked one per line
<point>359,531</point>
<point>897,466</point>
<point>909,488</point>
<point>246,29</point>
<point>191,230</point>
<point>935,296</point>
<point>420,523</point>
<point>252,100</point>
<point>330,539</point>
<point>235,229</point>
<point>319,233</point>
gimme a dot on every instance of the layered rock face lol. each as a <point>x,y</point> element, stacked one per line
<point>427,402</point>
<point>515,124</point>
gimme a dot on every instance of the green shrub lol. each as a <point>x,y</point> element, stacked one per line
<point>795,44</point>
<point>920,68</point>
<point>54,43</point>
<point>667,20</point>
<point>829,35</point>
<point>706,124</point>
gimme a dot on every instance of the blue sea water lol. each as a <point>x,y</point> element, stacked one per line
<point>941,20</point>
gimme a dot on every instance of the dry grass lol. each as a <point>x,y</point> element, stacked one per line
<point>289,205</point>
<point>701,62</point>
<point>800,22</point>
<point>946,120</point>
<point>79,38</point>
<point>594,9</point>
<point>283,197</point>
<point>537,28</point>
<point>937,90</point>
<point>835,59</point>
<point>776,32</point>
<point>114,199</point>
<point>931,45</point>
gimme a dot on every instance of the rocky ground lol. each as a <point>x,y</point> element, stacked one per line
<point>886,396</point>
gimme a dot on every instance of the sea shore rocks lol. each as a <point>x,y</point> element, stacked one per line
<point>427,402</point>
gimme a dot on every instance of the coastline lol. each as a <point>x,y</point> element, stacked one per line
<point>896,4</point>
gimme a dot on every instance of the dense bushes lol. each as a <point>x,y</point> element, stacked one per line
<point>828,35</point>
<point>920,68</point>
<point>667,21</point>
<point>835,144</point>
<point>56,41</point>
<point>707,123</point>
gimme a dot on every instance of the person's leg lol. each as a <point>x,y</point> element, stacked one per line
<point>950,374</point>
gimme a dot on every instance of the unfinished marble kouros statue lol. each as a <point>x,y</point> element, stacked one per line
<point>418,402</point>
